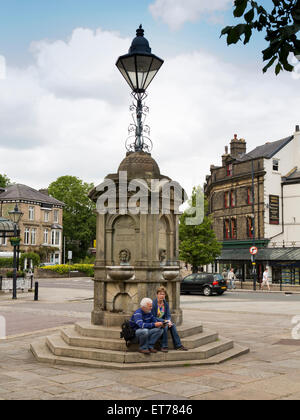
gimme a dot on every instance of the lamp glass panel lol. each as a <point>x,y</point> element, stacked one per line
<point>155,66</point>
<point>143,64</point>
<point>129,66</point>
<point>124,74</point>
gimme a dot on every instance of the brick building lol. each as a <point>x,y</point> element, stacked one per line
<point>42,222</point>
<point>254,198</point>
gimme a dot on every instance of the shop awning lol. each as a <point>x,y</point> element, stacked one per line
<point>6,227</point>
<point>264,254</point>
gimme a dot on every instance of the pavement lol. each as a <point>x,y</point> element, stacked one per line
<point>270,371</point>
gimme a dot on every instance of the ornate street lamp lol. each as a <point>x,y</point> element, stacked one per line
<point>138,68</point>
<point>15,216</point>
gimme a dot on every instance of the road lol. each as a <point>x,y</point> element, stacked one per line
<point>65,301</point>
<point>71,283</point>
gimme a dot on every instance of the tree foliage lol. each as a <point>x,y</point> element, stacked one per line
<point>198,244</point>
<point>79,219</point>
<point>4,181</point>
<point>281,24</point>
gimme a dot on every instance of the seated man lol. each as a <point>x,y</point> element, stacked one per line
<point>161,311</point>
<point>147,329</point>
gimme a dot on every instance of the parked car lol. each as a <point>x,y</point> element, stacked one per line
<point>206,283</point>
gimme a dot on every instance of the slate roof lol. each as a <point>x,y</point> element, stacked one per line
<point>24,193</point>
<point>267,150</point>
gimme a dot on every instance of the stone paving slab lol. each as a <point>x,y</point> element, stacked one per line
<point>270,371</point>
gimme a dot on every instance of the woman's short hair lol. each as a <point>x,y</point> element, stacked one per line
<point>161,289</point>
<point>144,302</point>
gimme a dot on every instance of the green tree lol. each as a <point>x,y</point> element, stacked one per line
<point>198,244</point>
<point>4,181</point>
<point>281,24</point>
<point>79,218</point>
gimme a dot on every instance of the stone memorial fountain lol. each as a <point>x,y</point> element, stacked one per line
<point>137,251</point>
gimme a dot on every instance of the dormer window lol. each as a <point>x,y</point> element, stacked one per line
<point>275,165</point>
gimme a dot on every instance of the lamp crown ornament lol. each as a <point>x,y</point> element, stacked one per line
<point>139,68</point>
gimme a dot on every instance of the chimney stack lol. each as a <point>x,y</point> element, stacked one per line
<point>237,147</point>
<point>44,191</point>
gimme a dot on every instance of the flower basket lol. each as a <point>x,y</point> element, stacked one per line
<point>15,241</point>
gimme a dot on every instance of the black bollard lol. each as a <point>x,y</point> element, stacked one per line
<point>36,291</point>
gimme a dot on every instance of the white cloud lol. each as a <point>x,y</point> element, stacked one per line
<point>177,12</point>
<point>68,113</point>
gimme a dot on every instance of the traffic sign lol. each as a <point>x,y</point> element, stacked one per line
<point>253,250</point>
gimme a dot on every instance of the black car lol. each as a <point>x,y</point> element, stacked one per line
<point>205,283</point>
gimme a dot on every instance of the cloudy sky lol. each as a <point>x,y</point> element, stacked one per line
<point>64,107</point>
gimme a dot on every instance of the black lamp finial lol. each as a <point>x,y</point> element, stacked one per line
<point>140,31</point>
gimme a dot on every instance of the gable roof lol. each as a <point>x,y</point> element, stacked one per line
<point>267,150</point>
<point>24,193</point>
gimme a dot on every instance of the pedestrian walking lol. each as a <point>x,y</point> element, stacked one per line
<point>231,278</point>
<point>224,273</point>
<point>265,281</point>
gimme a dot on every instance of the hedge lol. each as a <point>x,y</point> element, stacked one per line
<point>88,269</point>
<point>6,262</point>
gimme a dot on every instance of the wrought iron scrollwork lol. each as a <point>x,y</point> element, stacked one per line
<point>138,139</point>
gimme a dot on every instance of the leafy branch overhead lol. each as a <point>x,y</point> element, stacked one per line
<point>281,24</point>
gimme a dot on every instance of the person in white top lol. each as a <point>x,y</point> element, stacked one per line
<point>231,278</point>
<point>265,281</point>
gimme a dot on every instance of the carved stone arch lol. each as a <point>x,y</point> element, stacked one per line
<point>166,234</point>
<point>112,219</point>
<point>123,231</point>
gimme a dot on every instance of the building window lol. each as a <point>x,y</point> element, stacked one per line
<point>249,196</point>
<point>26,236</point>
<point>46,236</point>
<point>3,241</point>
<point>275,164</point>
<point>227,234</point>
<point>33,236</point>
<point>55,216</point>
<point>55,237</point>
<point>31,213</point>
<point>46,216</point>
<point>232,198</point>
<point>229,169</point>
<point>233,229</point>
<point>250,227</point>
<point>226,199</point>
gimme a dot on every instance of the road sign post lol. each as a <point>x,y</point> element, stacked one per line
<point>253,252</point>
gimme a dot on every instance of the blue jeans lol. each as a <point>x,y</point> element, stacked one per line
<point>148,337</point>
<point>175,337</point>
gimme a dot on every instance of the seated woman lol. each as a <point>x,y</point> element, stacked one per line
<point>161,311</point>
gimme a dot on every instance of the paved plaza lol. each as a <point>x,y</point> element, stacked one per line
<point>270,371</point>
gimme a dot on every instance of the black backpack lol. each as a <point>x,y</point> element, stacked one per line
<point>127,332</point>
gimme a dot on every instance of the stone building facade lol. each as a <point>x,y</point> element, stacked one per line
<point>254,199</point>
<point>41,224</point>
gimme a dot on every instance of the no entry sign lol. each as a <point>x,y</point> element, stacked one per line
<point>253,250</point>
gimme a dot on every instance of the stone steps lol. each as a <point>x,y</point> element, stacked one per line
<point>87,329</point>
<point>73,338</point>
<point>43,354</point>
<point>85,344</point>
<point>60,348</point>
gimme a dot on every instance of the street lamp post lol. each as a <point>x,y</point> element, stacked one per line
<point>15,217</point>
<point>138,68</point>
<point>254,271</point>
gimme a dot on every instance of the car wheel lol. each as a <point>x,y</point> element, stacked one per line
<point>207,291</point>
